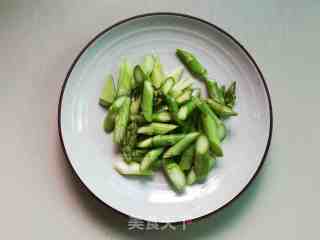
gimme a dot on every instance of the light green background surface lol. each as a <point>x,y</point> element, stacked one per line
<point>40,197</point>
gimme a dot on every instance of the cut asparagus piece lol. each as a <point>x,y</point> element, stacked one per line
<point>167,85</point>
<point>180,146</point>
<point>108,123</point>
<point>157,75</point>
<point>149,158</point>
<point>131,169</point>
<point>176,176</point>
<point>161,116</point>
<point>108,92</point>
<point>176,74</point>
<point>185,110</point>
<point>230,95</point>
<point>191,178</point>
<point>185,96</point>
<point>139,75</point>
<point>187,158</point>
<point>147,101</point>
<point>179,87</point>
<point>125,79</point>
<point>157,128</point>
<point>135,105</point>
<point>121,121</point>
<point>211,130</point>
<point>201,163</point>
<point>221,109</point>
<point>192,64</point>
<point>148,64</point>
<point>214,91</point>
<point>161,140</point>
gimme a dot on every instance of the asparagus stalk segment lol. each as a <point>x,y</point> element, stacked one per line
<point>180,146</point>
<point>214,91</point>
<point>185,96</point>
<point>157,128</point>
<point>157,75</point>
<point>167,85</point>
<point>130,169</point>
<point>211,130</point>
<point>161,117</point>
<point>192,177</point>
<point>221,109</point>
<point>149,158</point>
<point>230,95</point>
<point>121,121</point>
<point>125,79</point>
<point>108,123</point>
<point>148,64</point>
<point>160,140</point>
<point>147,101</point>
<point>187,158</point>
<point>192,64</point>
<point>139,75</point>
<point>108,92</point>
<point>186,110</point>
<point>176,176</point>
<point>176,74</point>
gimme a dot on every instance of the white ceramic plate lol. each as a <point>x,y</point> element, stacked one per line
<point>91,152</point>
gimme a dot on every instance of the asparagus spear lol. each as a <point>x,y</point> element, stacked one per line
<point>148,64</point>
<point>221,109</point>
<point>180,146</point>
<point>121,121</point>
<point>176,74</point>
<point>135,155</point>
<point>135,105</point>
<point>108,123</point>
<point>160,140</point>
<point>175,175</point>
<point>230,95</point>
<point>173,107</point>
<point>192,64</point>
<point>201,164</point>
<point>130,169</point>
<point>178,87</point>
<point>185,96</point>
<point>157,75</point>
<point>186,109</point>
<point>191,178</point>
<point>139,75</point>
<point>214,92</point>
<point>157,128</point>
<point>167,85</point>
<point>211,130</point>
<point>187,158</point>
<point>147,101</point>
<point>161,116</point>
<point>150,157</point>
<point>125,76</point>
<point>108,92</point>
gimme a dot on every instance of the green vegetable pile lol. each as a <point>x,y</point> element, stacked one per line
<point>162,122</point>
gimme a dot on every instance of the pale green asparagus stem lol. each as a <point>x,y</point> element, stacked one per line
<point>161,140</point>
<point>147,101</point>
<point>157,128</point>
<point>121,121</point>
<point>175,175</point>
<point>161,116</point>
<point>108,92</point>
<point>149,158</point>
<point>187,158</point>
<point>180,146</point>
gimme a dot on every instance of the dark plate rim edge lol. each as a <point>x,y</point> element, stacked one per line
<point>199,20</point>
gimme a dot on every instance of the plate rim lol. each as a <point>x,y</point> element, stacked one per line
<point>212,25</point>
